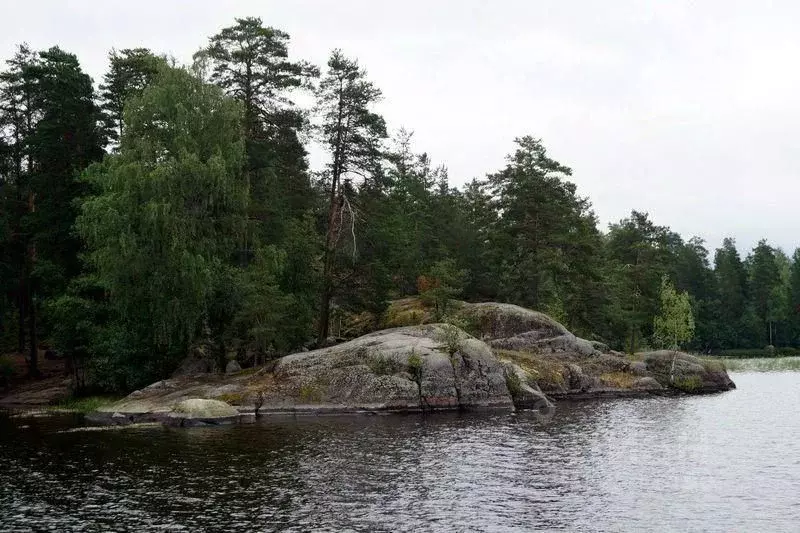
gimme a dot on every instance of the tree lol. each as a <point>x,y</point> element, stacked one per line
<point>674,323</point>
<point>731,288</point>
<point>251,63</point>
<point>545,241</point>
<point>793,299</point>
<point>444,282</point>
<point>130,72</point>
<point>18,115</point>
<point>51,117</point>
<point>167,214</point>
<point>66,139</point>
<point>693,274</point>
<point>352,134</point>
<point>765,294</point>
<point>638,255</point>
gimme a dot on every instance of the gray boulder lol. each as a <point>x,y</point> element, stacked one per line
<point>193,365</point>
<point>233,367</point>
<point>198,411</point>
<point>646,383</point>
<point>427,367</point>
<point>687,373</point>
<point>510,327</point>
<point>524,390</point>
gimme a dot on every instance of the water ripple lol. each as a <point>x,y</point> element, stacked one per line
<point>716,463</point>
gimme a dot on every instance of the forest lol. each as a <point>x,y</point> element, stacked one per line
<point>173,205</point>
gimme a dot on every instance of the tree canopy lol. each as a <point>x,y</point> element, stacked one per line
<point>174,210</point>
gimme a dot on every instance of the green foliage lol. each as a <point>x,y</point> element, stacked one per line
<point>451,338</point>
<point>266,317</point>
<point>415,366</point>
<point>513,384</point>
<point>688,383</point>
<point>130,71</point>
<point>675,323</point>
<point>384,365</point>
<point>443,282</point>
<point>167,214</point>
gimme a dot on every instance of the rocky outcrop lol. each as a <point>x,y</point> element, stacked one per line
<point>502,326</point>
<point>413,368</point>
<point>517,358</point>
<point>418,368</point>
<point>687,373</point>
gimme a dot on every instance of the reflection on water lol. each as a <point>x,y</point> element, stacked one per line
<point>716,463</point>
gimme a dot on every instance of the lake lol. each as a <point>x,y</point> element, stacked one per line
<point>726,462</point>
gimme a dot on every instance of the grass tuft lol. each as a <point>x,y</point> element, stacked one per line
<point>618,380</point>
<point>87,404</point>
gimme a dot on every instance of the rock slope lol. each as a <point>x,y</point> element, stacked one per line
<point>516,358</point>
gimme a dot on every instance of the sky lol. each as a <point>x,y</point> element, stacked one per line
<point>686,110</point>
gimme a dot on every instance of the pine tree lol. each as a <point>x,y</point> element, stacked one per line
<point>352,134</point>
<point>731,285</point>
<point>251,63</point>
<point>130,71</point>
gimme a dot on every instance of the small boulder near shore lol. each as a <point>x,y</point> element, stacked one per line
<point>198,411</point>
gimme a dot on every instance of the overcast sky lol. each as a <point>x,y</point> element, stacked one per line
<point>687,110</point>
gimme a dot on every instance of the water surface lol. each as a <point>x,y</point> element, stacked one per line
<point>726,462</point>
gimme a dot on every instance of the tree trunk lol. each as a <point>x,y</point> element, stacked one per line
<point>33,363</point>
<point>336,174</point>
<point>21,310</point>
<point>327,273</point>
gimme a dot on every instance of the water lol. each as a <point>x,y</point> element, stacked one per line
<point>728,462</point>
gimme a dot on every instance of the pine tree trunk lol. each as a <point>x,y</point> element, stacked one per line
<point>327,274</point>
<point>21,310</point>
<point>33,363</point>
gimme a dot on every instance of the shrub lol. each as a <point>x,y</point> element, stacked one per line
<point>87,404</point>
<point>415,366</point>
<point>310,393</point>
<point>688,383</point>
<point>382,365</point>
<point>450,337</point>
<point>619,380</point>
<point>514,384</point>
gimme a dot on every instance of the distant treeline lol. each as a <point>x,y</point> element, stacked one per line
<point>172,207</point>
